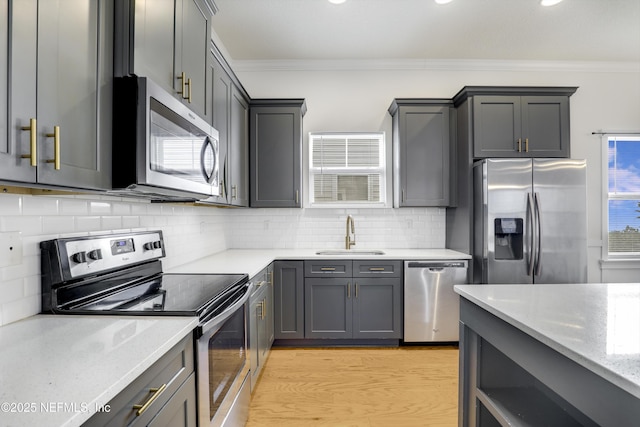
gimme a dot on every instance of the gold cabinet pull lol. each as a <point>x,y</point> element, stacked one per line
<point>526,145</point>
<point>349,290</point>
<point>297,196</point>
<point>271,277</point>
<point>190,86</point>
<point>356,291</point>
<point>234,192</point>
<point>56,147</point>
<point>156,393</point>
<point>264,308</point>
<point>33,142</point>
<point>376,268</point>
<point>327,269</point>
<point>183,89</point>
<point>519,145</point>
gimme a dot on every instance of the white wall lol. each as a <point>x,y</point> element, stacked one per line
<point>355,96</point>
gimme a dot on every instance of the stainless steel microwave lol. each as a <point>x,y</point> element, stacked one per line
<point>161,149</point>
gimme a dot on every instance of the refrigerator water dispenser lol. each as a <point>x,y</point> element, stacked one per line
<point>508,238</point>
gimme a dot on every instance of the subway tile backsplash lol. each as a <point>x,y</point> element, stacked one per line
<point>192,232</point>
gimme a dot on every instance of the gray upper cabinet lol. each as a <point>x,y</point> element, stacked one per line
<point>59,102</point>
<point>518,122</point>
<point>422,132</point>
<point>239,150</point>
<point>168,41</point>
<point>275,151</point>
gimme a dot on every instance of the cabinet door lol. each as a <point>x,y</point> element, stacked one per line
<point>377,310</point>
<point>423,145</point>
<point>276,156</point>
<point>193,35</point>
<point>221,100</point>
<point>497,126</point>
<point>328,308</point>
<point>288,305</point>
<point>238,149</point>
<point>74,83</point>
<point>545,126</point>
<point>18,100</point>
<point>180,410</point>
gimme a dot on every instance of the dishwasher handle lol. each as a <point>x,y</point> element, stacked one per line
<point>439,265</point>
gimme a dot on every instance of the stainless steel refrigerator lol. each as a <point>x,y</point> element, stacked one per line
<point>530,221</point>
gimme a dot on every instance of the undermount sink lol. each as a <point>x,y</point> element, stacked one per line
<point>350,252</point>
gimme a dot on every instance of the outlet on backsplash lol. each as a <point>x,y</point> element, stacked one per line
<point>10,248</point>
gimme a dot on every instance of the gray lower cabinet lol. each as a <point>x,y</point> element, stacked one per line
<point>275,164</point>
<point>518,121</point>
<point>260,323</point>
<point>55,115</point>
<point>422,144</point>
<point>362,301</point>
<point>164,395</point>
<point>168,41</point>
<point>288,293</point>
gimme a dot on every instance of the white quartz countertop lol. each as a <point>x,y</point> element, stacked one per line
<point>595,325</point>
<point>252,261</point>
<point>57,370</point>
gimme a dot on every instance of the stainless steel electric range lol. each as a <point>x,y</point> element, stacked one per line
<point>122,274</point>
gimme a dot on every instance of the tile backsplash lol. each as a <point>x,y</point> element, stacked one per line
<point>192,232</point>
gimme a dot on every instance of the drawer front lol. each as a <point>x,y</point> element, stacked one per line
<point>373,268</point>
<point>171,371</point>
<point>324,268</point>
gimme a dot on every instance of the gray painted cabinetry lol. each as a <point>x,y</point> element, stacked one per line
<point>422,144</point>
<point>275,164</point>
<point>288,292</point>
<point>174,405</point>
<point>260,322</point>
<point>353,299</point>
<point>168,41</point>
<point>56,90</point>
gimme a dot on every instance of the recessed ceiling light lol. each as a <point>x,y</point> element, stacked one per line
<point>337,1</point>
<point>443,1</point>
<point>549,2</point>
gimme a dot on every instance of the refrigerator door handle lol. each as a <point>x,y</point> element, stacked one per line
<point>538,234</point>
<point>532,240</point>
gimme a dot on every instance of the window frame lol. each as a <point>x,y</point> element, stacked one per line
<point>383,169</point>
<point>609,196</point>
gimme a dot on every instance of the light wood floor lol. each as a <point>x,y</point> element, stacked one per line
<point>406,386</point>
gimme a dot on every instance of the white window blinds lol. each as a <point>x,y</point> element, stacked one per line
<point>347,168</point>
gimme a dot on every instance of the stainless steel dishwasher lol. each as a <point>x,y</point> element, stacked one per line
<point>431,307</point>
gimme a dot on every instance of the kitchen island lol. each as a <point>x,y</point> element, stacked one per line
<point>549,354</point>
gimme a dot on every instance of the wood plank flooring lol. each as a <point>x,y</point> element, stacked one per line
<point>360,387</point>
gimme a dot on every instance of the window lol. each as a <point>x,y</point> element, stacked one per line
<point>623,201</point>
<point>347,169</point>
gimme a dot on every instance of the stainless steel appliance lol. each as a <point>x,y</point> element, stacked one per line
<point>530,221</point>
<point>122,274</point>
<point>431,307</point>
<point>161,149</point>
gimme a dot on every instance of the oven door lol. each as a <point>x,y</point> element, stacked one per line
<point>223,367</point>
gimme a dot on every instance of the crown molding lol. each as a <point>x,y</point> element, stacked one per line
<point>434,65</point>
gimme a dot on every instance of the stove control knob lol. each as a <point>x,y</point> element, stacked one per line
<point>148,246</point>
<point>95,254</point>
<point>79,257</point>
<point>157,244</point>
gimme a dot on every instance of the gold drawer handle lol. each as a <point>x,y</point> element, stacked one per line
<point>190,86</point>
<point>33,140</point>
<point>377,269</point>
<point>156,393</point>
<point>526,145</point>
<point>56,147</point>
<point>327,269</point>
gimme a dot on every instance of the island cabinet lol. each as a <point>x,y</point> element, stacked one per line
<point>168,42</point>
<point>517,121</point>
<point>260,322</point>
<point>275,150</point>
<point>353,299</point>
<point>507,377</point>
<point>164,395</point>
<point>422,142</point>
<point>288,293</point>
<point>56,93</point>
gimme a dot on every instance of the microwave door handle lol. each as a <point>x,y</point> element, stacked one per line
<point>207,145</point>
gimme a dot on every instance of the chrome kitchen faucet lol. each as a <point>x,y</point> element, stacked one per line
<point>347,239</point>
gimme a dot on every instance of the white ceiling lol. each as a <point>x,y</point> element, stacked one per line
<point>285,30</point>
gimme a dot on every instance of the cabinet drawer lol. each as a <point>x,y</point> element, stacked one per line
<point>327,267</point>
<point>370,268</point>
<point>171,371</point>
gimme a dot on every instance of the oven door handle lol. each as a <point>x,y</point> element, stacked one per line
<point>220,318</point>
